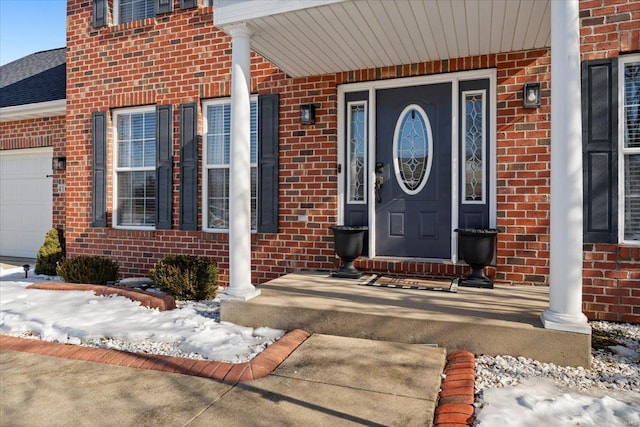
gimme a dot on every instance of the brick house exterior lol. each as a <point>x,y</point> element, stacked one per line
<point>32,129</point>
<point>180,59</point>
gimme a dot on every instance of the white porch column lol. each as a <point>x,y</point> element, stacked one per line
<point>240,287</point>
<point>565,287</point>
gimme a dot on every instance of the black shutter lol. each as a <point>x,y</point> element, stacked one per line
<point>187,4</point>
<point>164,193</point>
<point>600,154</point>
<point>268,163</point>
<point>189,166</point>
<point>99,13</point>
<point>99,184</point>
<point>164,6</point>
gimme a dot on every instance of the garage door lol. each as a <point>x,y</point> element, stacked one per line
<point>25,200</point>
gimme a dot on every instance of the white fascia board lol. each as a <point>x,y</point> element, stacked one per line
<point>31,111</point>
<point>227,12</point>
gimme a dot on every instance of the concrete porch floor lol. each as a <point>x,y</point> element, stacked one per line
<point>503,320</point>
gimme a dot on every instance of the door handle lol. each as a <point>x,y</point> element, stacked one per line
<point>379,180</point>
<point>378,186</point>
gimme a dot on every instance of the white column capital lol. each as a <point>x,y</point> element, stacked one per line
<point>238,30</point>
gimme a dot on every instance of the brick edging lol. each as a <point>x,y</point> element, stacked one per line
<point>455,404</point>
<point>260,366</point>
<point>147,299</point>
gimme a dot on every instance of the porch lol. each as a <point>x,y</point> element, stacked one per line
<point>503,320</point>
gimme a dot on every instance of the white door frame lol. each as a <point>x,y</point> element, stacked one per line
<point>372,87</point>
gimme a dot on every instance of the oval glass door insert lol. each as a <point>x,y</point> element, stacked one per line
<point>412,149</point>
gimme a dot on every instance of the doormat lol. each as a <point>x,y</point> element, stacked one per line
<point>416,283</point>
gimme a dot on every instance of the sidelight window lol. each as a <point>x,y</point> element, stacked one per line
<point>357,152</point>
<point>474,142</point>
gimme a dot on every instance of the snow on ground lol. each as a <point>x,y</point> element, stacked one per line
<point>541,402</point>
<point>523,392</point>
<point>79,317</point>
<point>509,391</point>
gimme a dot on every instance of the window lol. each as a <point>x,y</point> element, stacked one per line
<point>357,152</point>
<point>473,137</point>
<point>133,10</point>
<point>629,84</point>
<point>412,149</point>
<point>216,164</point>
<point>135,168</point>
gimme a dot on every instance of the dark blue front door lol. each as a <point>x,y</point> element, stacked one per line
<point>413,161</point>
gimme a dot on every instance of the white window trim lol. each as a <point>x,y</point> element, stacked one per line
<point>115,169</point>
<point>622,151</point>
<point>206,167</point>
<point>350,105</point>
<point>396,142</point>
<point>116,12</point>
<point>463,153</point>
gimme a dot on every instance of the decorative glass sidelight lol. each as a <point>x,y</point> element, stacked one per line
<point>474,137</point>
<point>412,149</point>
<point>357,153</point>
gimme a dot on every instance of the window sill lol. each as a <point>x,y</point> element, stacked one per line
<point>131,232</point>
<point>141,23</point>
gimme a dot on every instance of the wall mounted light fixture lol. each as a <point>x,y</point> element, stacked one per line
<point>531,95</point>
<point>59,163</point>
<point>307,114</point>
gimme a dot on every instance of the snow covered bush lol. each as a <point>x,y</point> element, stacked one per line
<point>186,277</point>
<point>51,251</point>
<point>95,270</point>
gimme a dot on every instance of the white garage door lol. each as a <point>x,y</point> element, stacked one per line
<point>25,200</point>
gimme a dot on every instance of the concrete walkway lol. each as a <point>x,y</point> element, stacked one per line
<point>328,380</point>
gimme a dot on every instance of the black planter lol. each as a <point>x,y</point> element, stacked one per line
<point>348,245</point>
<point>478,247</point>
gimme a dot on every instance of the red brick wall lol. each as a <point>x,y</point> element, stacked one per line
<point>612,282</point>
<point>176,58</point>
<point>609,28</point>
<point>37,133</point>
<point>184,59</point>
<point>611,273</point>
<point>180,57</point>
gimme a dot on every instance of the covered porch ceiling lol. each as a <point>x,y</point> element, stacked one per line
<point>314,37</point>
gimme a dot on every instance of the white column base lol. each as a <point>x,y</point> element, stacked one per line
<point>565,322</point>
<point>246,295</point>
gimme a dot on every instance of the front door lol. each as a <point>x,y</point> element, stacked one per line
<point>413,171</point>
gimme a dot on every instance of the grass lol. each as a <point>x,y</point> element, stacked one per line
<point>602,340</point>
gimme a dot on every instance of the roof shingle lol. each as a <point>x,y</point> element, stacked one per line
<point>39,77</point>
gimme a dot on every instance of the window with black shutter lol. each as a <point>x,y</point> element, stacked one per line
<point>600,154</point>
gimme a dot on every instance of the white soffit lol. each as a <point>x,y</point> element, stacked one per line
<point>32,111</point>
<point>307,37</point>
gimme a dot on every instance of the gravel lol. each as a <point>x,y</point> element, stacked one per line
<point>209,309</point>
<point>615,366</point>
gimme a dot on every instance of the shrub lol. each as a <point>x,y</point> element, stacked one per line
<point>51,251</point>
<point>186,277</point>
<point>94,270</point>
